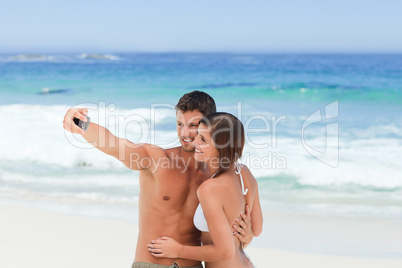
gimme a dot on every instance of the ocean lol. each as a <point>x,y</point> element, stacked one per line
<point>323,130</point>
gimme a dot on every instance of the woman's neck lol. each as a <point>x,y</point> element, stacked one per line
<point>213,169</point>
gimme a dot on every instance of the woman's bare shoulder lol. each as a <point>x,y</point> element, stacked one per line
<point>245,171</point>
<point>213,185</point>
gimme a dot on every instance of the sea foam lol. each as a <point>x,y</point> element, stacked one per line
<point>39,160</point>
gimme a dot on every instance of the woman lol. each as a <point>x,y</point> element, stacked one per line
<point>219,144</point>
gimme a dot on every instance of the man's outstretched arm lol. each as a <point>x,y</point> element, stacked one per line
<point>134,156</point>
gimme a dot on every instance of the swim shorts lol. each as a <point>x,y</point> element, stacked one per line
<point>153,265</point>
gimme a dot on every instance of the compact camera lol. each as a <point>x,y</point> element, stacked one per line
<point>81,124</point>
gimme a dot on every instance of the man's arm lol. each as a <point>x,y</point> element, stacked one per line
<point>242,228</point>
<point>249,224</point>
<point>134,156</point>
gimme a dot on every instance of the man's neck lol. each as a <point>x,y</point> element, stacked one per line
<point>192,164</point>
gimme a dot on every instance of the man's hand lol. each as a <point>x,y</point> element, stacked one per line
<point>242,228</point>
<point>68,123</point>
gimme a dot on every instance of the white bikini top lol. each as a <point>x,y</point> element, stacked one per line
<point>199,219</point>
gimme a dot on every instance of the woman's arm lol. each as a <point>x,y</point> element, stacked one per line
<point>249,224</point>
<point>256,215</point>
<point>219,228</point>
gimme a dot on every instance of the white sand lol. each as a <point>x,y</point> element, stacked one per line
<point>36,238</point>
<point>287,259</point>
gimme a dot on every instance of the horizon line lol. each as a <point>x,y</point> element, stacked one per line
<point>97,51</point>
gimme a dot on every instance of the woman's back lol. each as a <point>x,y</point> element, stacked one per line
<point>233,198</point>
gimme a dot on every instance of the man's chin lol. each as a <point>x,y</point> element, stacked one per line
<point>188,148</point>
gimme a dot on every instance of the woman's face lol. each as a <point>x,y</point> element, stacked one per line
<point>205,150</point>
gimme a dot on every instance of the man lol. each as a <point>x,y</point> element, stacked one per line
<point>169,179</point>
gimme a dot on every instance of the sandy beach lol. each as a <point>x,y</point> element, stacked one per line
<point>37,238</point>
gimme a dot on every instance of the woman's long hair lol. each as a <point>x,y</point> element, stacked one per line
<point>227,133</point>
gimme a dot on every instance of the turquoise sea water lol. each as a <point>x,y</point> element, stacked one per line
<point>346,163</point>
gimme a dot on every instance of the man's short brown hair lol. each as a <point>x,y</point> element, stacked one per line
<point>196,100</point>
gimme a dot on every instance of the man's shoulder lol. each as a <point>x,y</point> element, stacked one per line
<point>157,151</point>
<point>171,153</point>
<point>173,163</point>
<point>173,150</point>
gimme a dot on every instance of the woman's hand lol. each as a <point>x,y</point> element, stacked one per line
<point>165,247</point>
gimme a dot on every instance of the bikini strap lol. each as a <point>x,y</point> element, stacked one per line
<point>237,171</point>
<point>214,174</point>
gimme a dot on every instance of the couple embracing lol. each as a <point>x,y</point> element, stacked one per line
<point>203,205</point>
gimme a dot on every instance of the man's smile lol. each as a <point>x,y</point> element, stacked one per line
<point>187,140</point>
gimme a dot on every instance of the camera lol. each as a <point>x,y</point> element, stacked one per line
<point>81,124</point>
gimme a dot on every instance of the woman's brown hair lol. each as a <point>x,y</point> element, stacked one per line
<point>227,133</point>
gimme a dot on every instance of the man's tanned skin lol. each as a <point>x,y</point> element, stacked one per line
<point>168,196</point>
<point>169,179</point>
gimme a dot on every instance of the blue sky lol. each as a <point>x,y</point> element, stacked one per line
<point>189,25</point>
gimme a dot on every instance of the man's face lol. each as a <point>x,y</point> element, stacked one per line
<point>187,124</point>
